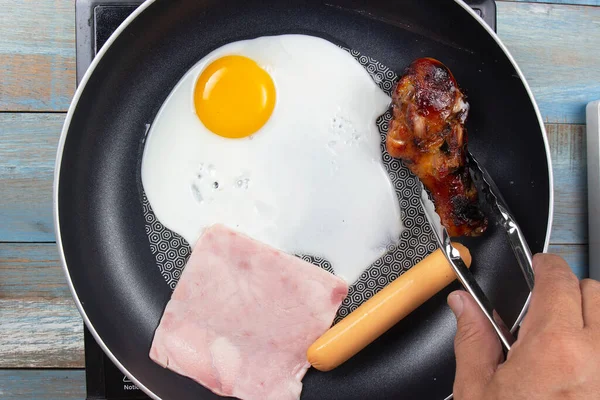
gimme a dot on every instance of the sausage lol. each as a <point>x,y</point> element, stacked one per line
<point>384,310</point>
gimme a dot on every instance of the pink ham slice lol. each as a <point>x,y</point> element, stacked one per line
<point>243,316</point>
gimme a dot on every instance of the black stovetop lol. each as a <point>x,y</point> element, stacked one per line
<point>95,22</point>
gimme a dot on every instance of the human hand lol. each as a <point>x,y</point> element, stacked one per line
<point>557,354</point>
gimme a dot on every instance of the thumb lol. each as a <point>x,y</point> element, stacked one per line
<point>477,348</point>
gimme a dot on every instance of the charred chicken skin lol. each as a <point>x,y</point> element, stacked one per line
<point>427,132</point>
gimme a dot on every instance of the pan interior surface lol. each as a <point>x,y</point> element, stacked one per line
<point>100,211</point>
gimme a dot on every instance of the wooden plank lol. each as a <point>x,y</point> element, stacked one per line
<point>42,384</point>
<point>28,147</point>
<point>41,327</point>
<point>556,46</point>
<point>40,333</point>
<point>31,272</point>
<point>27,152</point>
<point>569,162</point>
<point>37,54</point>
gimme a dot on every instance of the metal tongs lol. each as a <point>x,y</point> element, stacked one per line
<point>499,214</point>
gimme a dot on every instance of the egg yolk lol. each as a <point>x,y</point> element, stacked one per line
<point>234,97</point>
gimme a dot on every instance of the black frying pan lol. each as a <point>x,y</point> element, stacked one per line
<point>98,208</point>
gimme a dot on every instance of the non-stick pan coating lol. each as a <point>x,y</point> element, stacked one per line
<point>99,211</point>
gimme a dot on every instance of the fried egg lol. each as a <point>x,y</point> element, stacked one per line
<point>276,137</point>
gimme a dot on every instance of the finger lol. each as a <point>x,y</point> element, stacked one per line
<point>556,296</point>
<point>478,350</point>
<point>590,301</point>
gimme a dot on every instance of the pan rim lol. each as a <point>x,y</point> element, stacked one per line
<point>73,106</point>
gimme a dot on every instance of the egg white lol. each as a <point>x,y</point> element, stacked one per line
<point>311,181</point>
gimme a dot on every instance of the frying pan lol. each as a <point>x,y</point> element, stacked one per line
<point>97,195</point>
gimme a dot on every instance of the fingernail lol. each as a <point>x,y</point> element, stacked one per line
<point>456,304</point>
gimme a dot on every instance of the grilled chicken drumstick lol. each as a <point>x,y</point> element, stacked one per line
<point>427,132</point>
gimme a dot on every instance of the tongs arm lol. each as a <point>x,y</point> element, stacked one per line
<point>468,281</point>
<point>520,247</point>
<point>502,215</point>
<point>463,273</point>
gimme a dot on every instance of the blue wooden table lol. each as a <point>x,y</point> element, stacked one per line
<point>556,43</point>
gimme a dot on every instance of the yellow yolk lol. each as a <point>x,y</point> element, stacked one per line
<point>234,97</point>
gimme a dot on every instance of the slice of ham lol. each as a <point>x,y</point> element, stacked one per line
<point>243,316</point>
